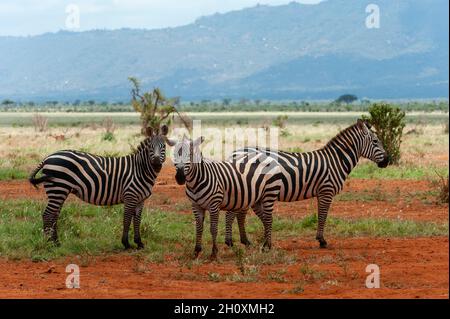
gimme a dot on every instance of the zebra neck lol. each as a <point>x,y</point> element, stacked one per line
<point>194,174</point>
<point>344,153</point>
<point>143,166</point>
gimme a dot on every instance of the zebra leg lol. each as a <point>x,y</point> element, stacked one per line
<point>199,214</point>
<point>128,214</point>
<point>324,202</point>
<point>241,222</point>
<point>57,195</point>
<point>229,219</point>
<point>214,221</point>
<point>266,219</point>
<point>50,219</point>
<point>137,226</point>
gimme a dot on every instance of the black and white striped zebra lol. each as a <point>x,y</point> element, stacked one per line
<point>219,185</point>
<point>103,181</point>
<point>320,173</point>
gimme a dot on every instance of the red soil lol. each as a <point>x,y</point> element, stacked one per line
<point>409,268</point>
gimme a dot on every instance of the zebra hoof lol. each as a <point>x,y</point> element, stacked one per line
<point>140,245</point>
<point>197,251</point>
<point>323,243</point>
<point>246,242</point>
<point>229,242</point>
<point>126,244</point>
<point>56,243</point>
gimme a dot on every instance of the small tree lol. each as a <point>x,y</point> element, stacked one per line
<point>154,107</point>
<point>388,122</point>
<point>346,98</point>
<point>40,122</point>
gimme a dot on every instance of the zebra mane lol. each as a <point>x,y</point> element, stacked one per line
<point>142,146</point>
<point>342,133</point>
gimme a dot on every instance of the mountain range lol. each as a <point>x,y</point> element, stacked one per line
<point>293,51</point>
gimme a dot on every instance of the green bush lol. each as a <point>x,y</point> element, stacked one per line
<point>108,136</point>
<point>388,122</point>
<point>280,121</point>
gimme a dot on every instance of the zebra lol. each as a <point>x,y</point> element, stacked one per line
<point>320,173</point>
<point>219,185</point>
<point>103,181</point>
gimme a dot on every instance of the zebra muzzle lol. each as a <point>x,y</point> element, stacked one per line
<point>384,163</point>
<point>156,164</point>
<point>179,177</point>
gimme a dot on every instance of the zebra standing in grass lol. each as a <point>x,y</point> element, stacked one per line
<point>320,173</point>
<point>219,185</point>
<point>103,181</point>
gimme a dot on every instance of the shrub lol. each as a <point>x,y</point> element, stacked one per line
<point>108,125</point>
<point>108,136</point>
<point>388,122</point>
<point>40,123</point>
<point>443,189</point>
<point>280,121</point>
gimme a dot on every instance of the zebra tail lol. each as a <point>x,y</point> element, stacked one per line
<point>36,181</point>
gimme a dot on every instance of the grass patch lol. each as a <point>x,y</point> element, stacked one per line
<point>361,227</point>
<point>8,173</point>
<point>405,171</point>
<point>88,230</point>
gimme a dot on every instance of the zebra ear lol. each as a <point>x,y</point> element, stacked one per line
<point>148,131</point>
<point>164,130</point>
<point>369,126</point>
<point>360,124</point>
<point>169,141</point>
<point>198,141</point>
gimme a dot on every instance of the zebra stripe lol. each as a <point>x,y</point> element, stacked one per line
<point>320,173</point>
<point>102,181</point>
<point>219,185</point>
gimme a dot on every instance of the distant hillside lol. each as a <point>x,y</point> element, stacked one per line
<point>286,52</point>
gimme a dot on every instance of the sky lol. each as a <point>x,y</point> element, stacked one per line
<point>32,17</point>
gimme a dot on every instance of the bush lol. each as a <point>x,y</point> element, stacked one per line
<point>443,189</point>
<point>108,136</point>
<point>40,123</point>
<point>388,122</point>
<point>280,121</point>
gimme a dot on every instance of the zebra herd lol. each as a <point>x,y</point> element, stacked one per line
<point>250,178</point>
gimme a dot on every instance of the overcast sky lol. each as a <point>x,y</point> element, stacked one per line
<point>31,17</point>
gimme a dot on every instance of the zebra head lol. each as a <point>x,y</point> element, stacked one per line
<point>157,140</point>
<point>185,153</point>
<point>371,147</point>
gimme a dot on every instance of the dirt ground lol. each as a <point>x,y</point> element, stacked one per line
<point>409,268</point>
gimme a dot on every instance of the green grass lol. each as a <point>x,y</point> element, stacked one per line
<point>87,230</point>
<point>7,173</point>
<point>371,171</point>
